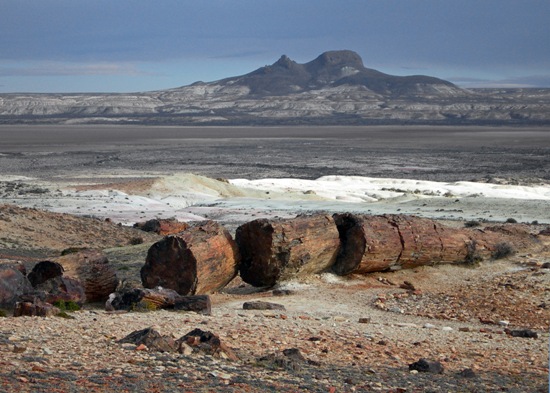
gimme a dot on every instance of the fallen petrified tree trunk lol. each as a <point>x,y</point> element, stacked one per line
<point>200,260</point>
<point>93,270</point>
<point>274,250</point>
<point>391,242</point>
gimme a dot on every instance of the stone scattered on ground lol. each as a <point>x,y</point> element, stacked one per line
<point>260,305</point>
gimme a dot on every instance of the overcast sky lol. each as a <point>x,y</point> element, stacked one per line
<point>139,45</point>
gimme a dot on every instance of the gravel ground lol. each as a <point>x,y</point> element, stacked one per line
<point>322,320</point>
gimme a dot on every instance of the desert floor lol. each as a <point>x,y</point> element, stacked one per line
<point>458,315</point>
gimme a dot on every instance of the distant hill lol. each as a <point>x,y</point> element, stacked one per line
<point>333,69</point>
<point>334,88</point>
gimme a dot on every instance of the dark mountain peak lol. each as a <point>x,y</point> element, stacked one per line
<point>342,58</point>
<point>285,62</point>
<point>331,69</point>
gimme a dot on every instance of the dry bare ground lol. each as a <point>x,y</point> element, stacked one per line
<point>357,333</point>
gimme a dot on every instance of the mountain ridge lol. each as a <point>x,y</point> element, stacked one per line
<point>330,69</point>
<point>333,88</point>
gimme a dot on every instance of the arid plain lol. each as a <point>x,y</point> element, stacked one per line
<point>458,315</point>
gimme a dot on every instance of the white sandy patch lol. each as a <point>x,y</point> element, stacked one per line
<point>190,197</point>
<point>365,189</point>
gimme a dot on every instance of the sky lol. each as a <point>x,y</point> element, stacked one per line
<point>143,45</point>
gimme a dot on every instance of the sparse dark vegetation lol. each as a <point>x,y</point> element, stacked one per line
<point>472,256</point>
<point>72,250</point>
<point>66,305</point>
<point>3,314</point>
<point>502,250</point>
<point>143,306</point>
<point>472,224</point>
<point>136,240</point>
<point>63,314</point>
<point>511,221</point>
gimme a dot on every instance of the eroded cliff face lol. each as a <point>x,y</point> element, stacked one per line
<point>333,88</point>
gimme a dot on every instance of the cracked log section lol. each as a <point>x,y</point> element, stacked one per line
<point>197,261</point>
<point>93,270</point>
<point>275,250</point>
<point>392,242</point>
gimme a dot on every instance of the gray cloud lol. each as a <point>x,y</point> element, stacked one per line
<point>64,69</point>
<point>523,81</point>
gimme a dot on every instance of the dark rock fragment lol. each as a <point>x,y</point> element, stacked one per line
<point>427,366</point>
<point>290,359</point>
<point>152,339</point>
<point>139,299</point>
<point>467,373</point>
<point>408,286</point>
<point>207,343</point>
<point>282,292</point>
<point>525,333</point>
<point>259,305</point>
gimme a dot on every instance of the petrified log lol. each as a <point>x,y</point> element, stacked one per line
<point>93,270</point>
<point>13,284</point>
<point>60,289</point>
<point>390,242</point>
<point>200,260</point>
<point>275,250</point>
<point>162,227</point>
<point>52,286</point>
<point>44,271</point>
<point>138,299</point>
<point>36,308</point>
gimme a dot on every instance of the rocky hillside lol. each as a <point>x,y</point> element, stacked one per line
<point>334,88</point>
<point>31,233</point>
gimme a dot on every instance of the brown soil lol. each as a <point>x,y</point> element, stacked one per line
<point>27,232</point>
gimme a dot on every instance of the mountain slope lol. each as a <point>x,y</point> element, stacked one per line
<point>330,69</point>
<point>334,88</point>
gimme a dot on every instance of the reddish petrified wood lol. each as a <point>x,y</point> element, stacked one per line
<point>93,270</point>
<point>51,285</point>
<point>200,260</point>
<point>388,242</point>
<point>275,250</point>
<point>367,245</point>
<point>36,308</point>
<point>163,227</point>
<point>13,284</point>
